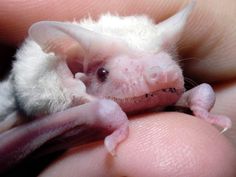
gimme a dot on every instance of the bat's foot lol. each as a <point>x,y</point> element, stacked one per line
<point>200,100</point>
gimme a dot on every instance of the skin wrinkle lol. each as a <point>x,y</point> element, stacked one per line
<point>220,43</point>
<point>70,12</point>
<point>67,11</point>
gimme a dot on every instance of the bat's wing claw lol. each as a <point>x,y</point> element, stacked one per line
<point>200,100</point>
<point>219,120</point>
<point>224,130</point>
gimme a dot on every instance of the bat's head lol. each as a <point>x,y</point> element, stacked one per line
<point>128,59</point>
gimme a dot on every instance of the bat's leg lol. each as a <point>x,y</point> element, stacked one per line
<point>19,142</point>
<point>200,100</point>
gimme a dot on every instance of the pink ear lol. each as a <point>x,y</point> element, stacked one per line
<point>170,30</point>
<point>66,38</point>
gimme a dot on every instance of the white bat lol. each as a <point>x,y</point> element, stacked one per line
<point>93,73</point>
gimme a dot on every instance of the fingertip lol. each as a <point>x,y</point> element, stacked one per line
<point>165,144</point>
<point>173,144</point>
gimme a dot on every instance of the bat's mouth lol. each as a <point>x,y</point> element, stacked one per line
<point>156,99</point>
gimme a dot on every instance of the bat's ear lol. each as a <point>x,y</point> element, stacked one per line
<point>67,39</point>
<point>170,30</point>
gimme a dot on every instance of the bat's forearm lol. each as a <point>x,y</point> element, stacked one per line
<point>17,143</point>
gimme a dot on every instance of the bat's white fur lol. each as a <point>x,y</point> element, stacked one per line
<point>141,77</point>
<point>37,84</point>
<point>39,89</point>
<point>127,29</point>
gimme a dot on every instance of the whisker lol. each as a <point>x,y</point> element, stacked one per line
<point>186,59</point>
<point>190,81</point>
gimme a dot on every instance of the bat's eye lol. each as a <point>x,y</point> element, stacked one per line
<point>102,74</point>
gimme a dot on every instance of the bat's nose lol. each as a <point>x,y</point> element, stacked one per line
<point>157,76</point>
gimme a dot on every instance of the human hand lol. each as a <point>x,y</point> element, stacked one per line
<point>165,144</point>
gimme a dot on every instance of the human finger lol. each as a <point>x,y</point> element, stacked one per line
<point>166,144</point>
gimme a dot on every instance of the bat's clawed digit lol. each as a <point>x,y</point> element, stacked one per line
<point>200,100</point>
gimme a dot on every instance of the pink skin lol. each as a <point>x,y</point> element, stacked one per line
<point>155,80</point>
<point>157,145</point>
<point>200,100</point>
<point>107,115</point>
<point>139,82</point>
<point>104,114</point>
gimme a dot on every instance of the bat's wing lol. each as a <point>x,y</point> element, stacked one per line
<point>62,130</point>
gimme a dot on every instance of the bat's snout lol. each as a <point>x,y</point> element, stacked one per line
<point>163,74</point>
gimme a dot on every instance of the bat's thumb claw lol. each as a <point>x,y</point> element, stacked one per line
<point>111,141</point>
<point>224,130</point>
